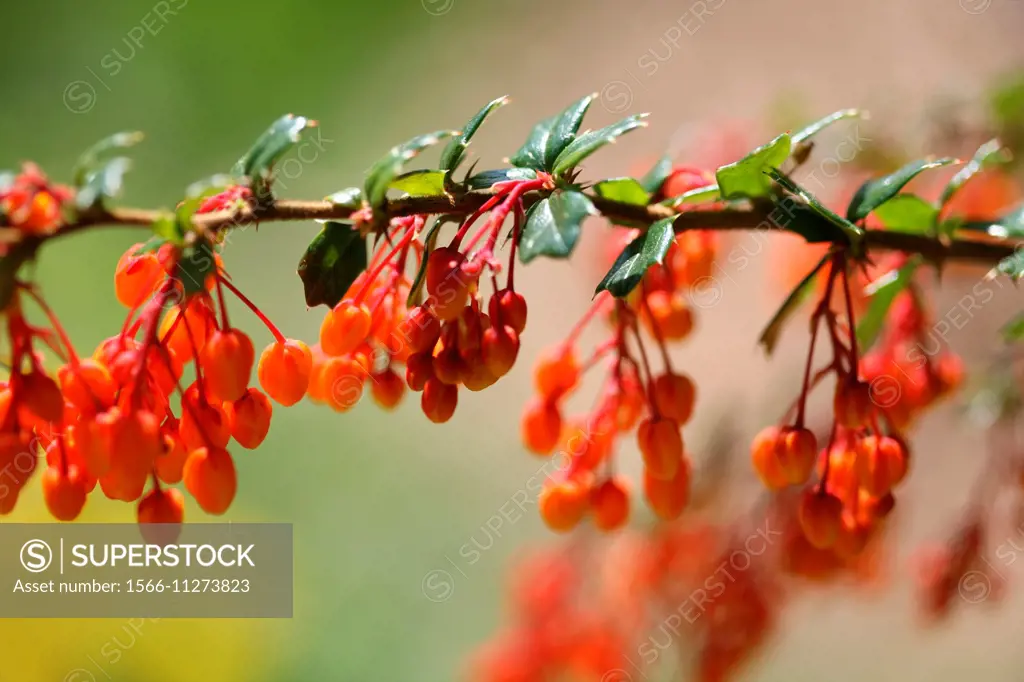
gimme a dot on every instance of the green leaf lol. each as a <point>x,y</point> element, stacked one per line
<point>197,263</point>
<point>332,262</point>
<point>770,336</point>
<point>168,229</point>
<point>564,129</point>
<point>92,156</point>
<point>531,154</point>
<point>102,183</point>
<point>874,193</point>
<point>489,178</point>
<point>384,171</point>
<point>908,213</point>
<point>746,178</point>
<point>625,190</point>
<point>1010,225</point>
<point>588,143</point>
<point>853,234</point>
<point>429,242</point>
<point>1013,330</point>
<point>794,215</point>
<point>647,249</point>
<point>813,129</point>
<point>257,163</point>
<point>455,151</point>
<point>698,195</point>
<point>553,225</point>
<point>883,292</point>
<point>421,183</point>
<point>350,197</point>
<point>549,137</point>
<point>656,177</point>
<point>989,154</point>
<point>1011,266</point>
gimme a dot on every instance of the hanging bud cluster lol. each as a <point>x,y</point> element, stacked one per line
<point>848,485</point>
<point>655,404</point>
<point>121,420</point>
<point>441,326</point>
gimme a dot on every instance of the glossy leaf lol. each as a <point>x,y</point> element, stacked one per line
<point>1010,225</point>
<point>625,190</point>
<point>332,262</point>
<point>770,336</point>
<point>455,151</point>
<point>258,162</point>
<point>874,193</point>
<point>553,225</point>
<point>421,183</point>
<point>647,249</point>
<point>794,215</point>
<point>655,178</point>
<point>588,143</point>
<point>989,154</point>
<point>102,183</point>
<point>564,129</point>
<point>746,178</point>
<point>92,156</point>
<point>698,195</point>
<point>852,233</point>
<point>487,179</point>
<point>350,197</point>
<point>196,265</point>
<point>531,154</point>
<point>384,171</point>
<point>883,292</point>
<point>908,213</point>
<point>814,128</point>
<point>549,137</point>
<point>1011,266</point>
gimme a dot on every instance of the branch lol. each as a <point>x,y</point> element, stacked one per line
<point>759,217</point>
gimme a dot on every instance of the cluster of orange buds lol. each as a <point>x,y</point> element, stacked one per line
<point>633,397</point>
<point>454,338</point>
<point>30,203</point>
<point>109,419</point>
<point>910,369</point>
<point>364,323</point>
<point>657,406</point>
<point>736,624</point>
<point>696,590</point>
<point>553,633</point>
<point>861,464</point>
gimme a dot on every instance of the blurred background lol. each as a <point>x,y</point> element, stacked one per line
<point>397,573</point>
